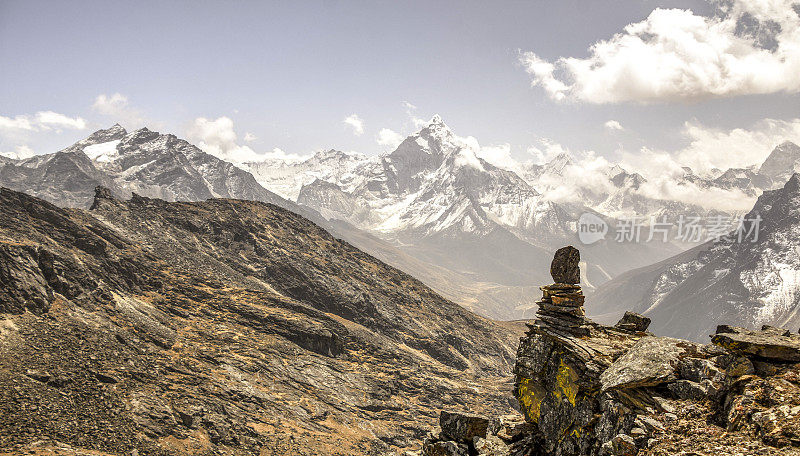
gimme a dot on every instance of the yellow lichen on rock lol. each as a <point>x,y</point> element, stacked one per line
<point>566,379</point>
<point>530,396</point>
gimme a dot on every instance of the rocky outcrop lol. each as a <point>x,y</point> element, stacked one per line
<point>770,343</point>
<point>618,390</point>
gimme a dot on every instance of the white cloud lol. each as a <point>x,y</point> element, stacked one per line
<point>249,137</point>
<point>19,153</point>
<point>16,123</point>
<point>748,47</point>
<point>409,107</point>
<point>546,150</point>
<point>53,119</point>
<point>356,123</point>
<point>499,155</point>
<point>390,138</point>
<point>217,137</point>
<point>709,148</point>
<point>613,125</point>
<point>279,154</point>
<point>116,106</point>
<point>42,120</point>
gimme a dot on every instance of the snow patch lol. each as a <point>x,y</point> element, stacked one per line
<point>103,152</point>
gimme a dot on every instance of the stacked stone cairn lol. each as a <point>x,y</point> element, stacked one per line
<point>561,306</point>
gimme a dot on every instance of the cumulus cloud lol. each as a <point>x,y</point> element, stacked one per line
<point>613,125</point>
<point>356,123</point>
<point>217,137</point>
<point>499,155</point>
<point>709,149</point>
<point>747,47</point>
<point>49,119</point>
<point>249,137</point>
<point>116,107</point>
<point>280,154</point>
<point>411,111</point>
<point>546,150</point>
<point>42,120</point>
<point>16,123</point>
<point>388,137</point>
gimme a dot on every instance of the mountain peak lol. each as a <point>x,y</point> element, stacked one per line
<point>781,162</point>
<point>112,133</point>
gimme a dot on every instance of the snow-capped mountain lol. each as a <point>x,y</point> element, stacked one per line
<point>440,202</point>
<point>144,162</point>
<point>287,177</point>
<point>67,178</point>
<point>433,183</point>
<point>747,280</point>
<point>780,165</point>
<point>477,233</point>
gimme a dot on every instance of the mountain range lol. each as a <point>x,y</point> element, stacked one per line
<point>477,233</point>
<point>437,200</point>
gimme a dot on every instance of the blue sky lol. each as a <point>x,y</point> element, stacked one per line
<point>289,73</point>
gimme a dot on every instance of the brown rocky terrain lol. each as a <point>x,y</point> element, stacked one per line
<point>588,389</point>
<point>223,327</point>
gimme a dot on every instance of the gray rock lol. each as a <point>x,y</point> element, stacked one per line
<point>446,448</point>
<point>632,321</point>
<point>687,389</point>
<point>698,369</point>
<point>739,367</point>
<point>770,344</point>
<point>490,446</point>
<point>648,423</point>
<point>649,362</point>
<point>624,445</point>
<point>565,267</point>
<point>462,427</point>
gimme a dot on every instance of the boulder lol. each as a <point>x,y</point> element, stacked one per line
<point>698,369</point>
<point>770,344</point>
<point>687,389</point>
<point>462,427</point>
<point>650,361</point>
<point>491,446</point>
<point>509,428</point>
<point>565,267</point>
<point>633,322</point>
<point>623,445</point>
<point>445,448</point>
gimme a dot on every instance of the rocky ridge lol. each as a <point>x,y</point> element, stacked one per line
<point>221,327</point>
<point>618,390</point>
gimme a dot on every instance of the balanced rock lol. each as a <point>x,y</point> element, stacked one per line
<point>565,267</point>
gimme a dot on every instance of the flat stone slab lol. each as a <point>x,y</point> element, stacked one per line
<point>650,361</point>
<point>768,344</point>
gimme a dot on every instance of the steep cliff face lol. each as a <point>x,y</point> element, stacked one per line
<point>221,327</point>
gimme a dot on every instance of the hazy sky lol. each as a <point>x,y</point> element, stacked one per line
<point>307,75</point>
